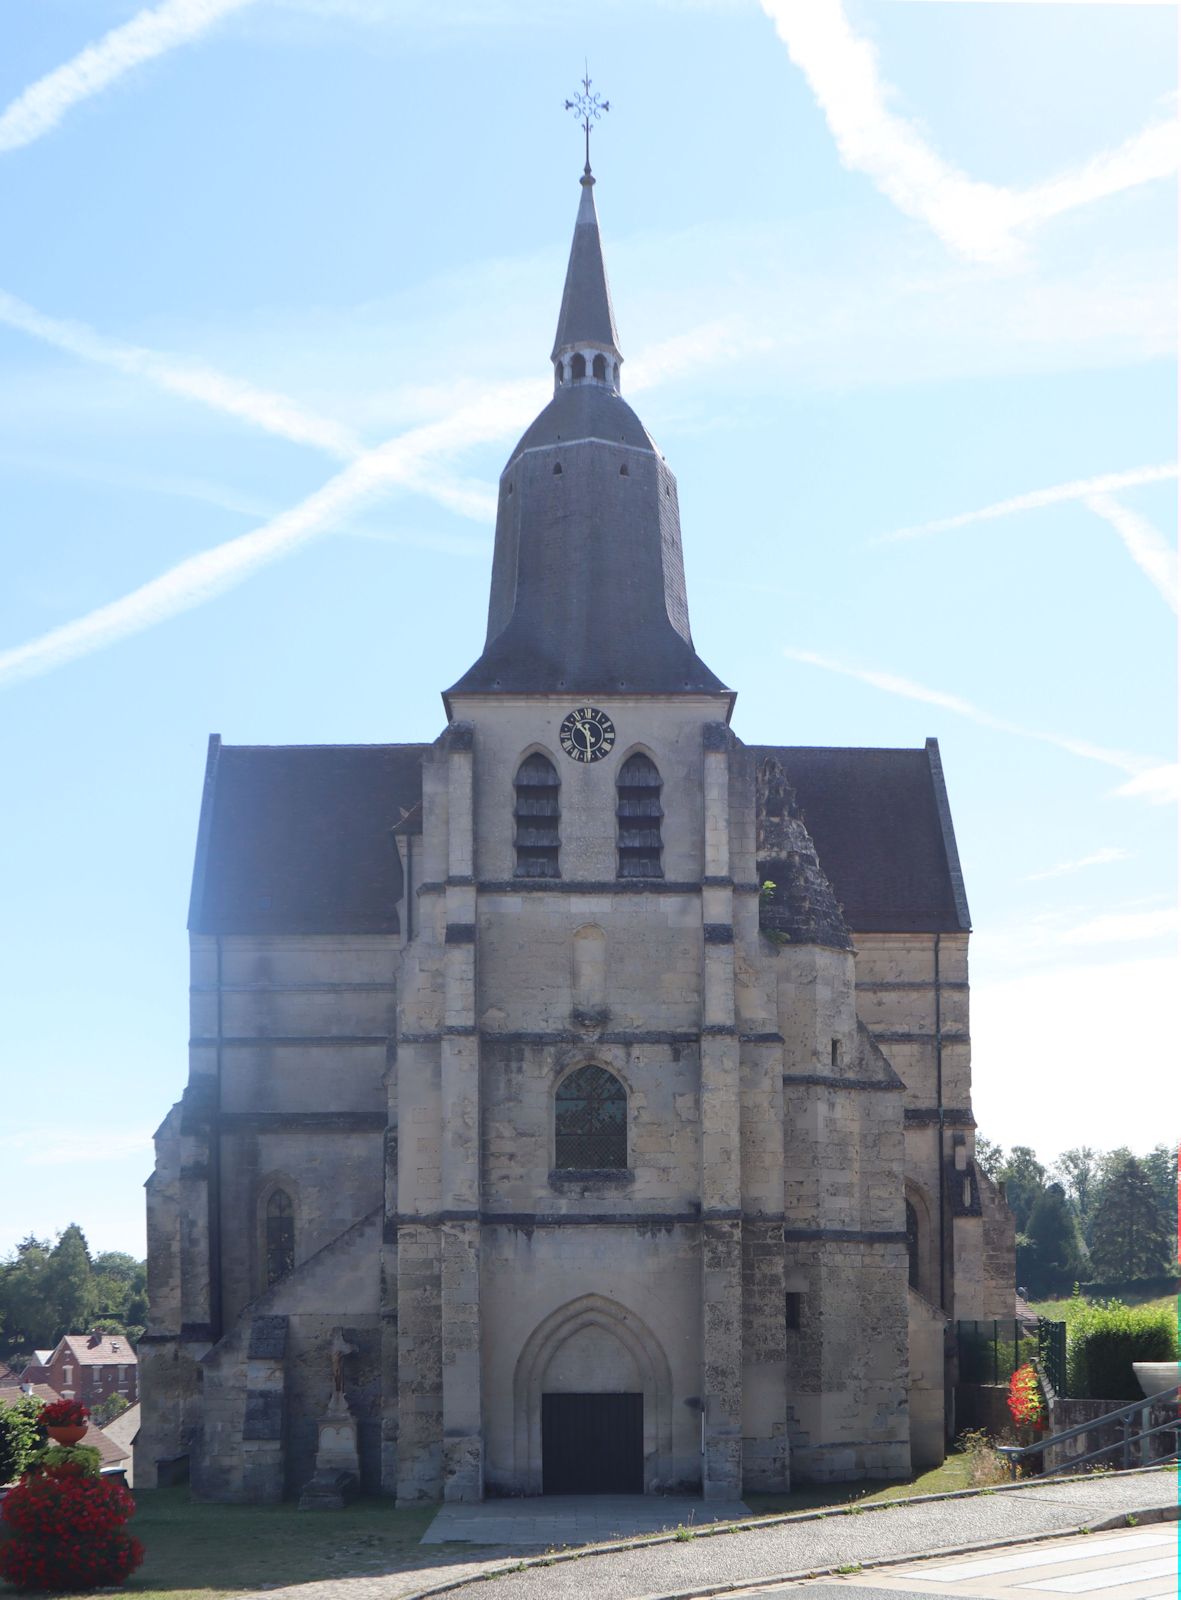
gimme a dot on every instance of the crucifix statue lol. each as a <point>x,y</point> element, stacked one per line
<point>588,108</point>
<point>339,1348</point>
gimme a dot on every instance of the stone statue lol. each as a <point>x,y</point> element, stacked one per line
<point>339,1348</point>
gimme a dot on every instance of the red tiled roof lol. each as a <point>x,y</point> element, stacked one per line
<point>9,1395</point>
<point>110,1453</point>
<point>99,1350</point>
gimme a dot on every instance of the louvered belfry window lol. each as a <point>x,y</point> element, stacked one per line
<point>639,812</point>
<point>536,816</point>
<point>590,1121</point>
<point>280,1235</point>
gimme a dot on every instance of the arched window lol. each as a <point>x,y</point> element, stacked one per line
<point>280,1235</point>
<point>639,811</point>
<point>590,1121</point>
<point>912,1245</point>
<point>578,367</point>
<point>561,372</point>
<point>536,815</point>
<point>599,367</point>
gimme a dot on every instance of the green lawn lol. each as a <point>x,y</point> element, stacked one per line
<point>200,1552</point>
<point>1065,1310</point>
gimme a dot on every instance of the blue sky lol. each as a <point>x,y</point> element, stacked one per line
<point>278,289</point>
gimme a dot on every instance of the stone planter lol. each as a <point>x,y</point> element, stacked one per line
<point>1156,1376</point>
<point>63,1435</point>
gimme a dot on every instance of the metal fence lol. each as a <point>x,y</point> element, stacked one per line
<point>990,1352</point>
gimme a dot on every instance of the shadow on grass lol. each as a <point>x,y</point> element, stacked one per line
<point>195,1550</point>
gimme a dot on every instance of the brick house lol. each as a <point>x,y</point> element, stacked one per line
<point>91,1367</point>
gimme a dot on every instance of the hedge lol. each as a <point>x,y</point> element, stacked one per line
<point>1103,1342</point>
<point>20,1436</point>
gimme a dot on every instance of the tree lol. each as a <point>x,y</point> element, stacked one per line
<point>69,1283</point>
<point>49,1289</point>
<point>1078,1171</point>
<point>989,1156</point>
<point>1051,1257</point>
<point>1024,1178</point>
<point>1160,1168</point>
<point>1130,1235</point>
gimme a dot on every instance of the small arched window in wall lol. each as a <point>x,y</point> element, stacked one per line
<point>912,1245</point>
<point>599,367</point>
<point>578,367</point>
<point>536,814</point>
<point>279,1231</point>
<point>590,1121</point>
<point>638,811</point>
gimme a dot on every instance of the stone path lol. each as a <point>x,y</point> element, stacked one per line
<point>547,1521</point>
<point>712,1563</point>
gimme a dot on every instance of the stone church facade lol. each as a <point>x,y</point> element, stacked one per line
<point>604,1079</point>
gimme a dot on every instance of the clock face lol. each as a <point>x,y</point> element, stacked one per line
<point>587,734</point>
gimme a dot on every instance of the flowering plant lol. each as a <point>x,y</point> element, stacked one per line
<point>1026,1406</point>
<point>64,1414</point>
<point>65,1524</point>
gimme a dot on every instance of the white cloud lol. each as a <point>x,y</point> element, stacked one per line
<point>1097,858</point>
<point>58,1147</point>
<point>151,32</point>
<point>1143,543</point>
<point>1123,927</point>
<point>1159,785</point>
<point>891,683</point>
<point>1048,1047</point>
<point>977,220</point>
<point>1078,489</point>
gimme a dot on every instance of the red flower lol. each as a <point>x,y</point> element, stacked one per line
<point>64,1414</point>
<point>66,1531</point>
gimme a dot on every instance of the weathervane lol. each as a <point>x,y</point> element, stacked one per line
<point>588,108</point>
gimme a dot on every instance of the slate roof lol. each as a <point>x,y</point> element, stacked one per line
<point>586,316</point>
<point>297,839</point>
<point>882,828</point>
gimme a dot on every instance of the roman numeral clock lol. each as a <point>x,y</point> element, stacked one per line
<point>587,734</point>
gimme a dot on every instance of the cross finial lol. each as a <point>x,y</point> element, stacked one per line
<point>588,108</point>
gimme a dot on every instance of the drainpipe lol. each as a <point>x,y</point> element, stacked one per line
<point>215,1307</point>
<point>939,1130</point>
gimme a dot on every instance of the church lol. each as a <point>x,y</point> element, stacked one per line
<point>580,1102</point>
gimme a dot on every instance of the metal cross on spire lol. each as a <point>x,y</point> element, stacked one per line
<point>588,108</point>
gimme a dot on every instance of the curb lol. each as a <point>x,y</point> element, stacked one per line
<point>757,1524</point>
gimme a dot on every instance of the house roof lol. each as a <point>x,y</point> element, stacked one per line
<point>10,1394</point>
<point>99,1350</point>
<point>297,839</point>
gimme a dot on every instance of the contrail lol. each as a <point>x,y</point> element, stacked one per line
<point>199,578</point>
<point>1121,760</point>
<point>1079,489</point>
<point>149,33</point>
<point>977,220</point>
<point>1143,543</point>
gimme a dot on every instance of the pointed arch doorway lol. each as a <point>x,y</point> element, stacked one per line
<point>593,1403</point>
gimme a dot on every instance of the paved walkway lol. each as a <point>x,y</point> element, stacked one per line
<point>711,1563</point>
<point>1130,1564</point>
<point>550,1521</point>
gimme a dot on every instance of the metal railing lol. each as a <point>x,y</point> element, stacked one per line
<point>1133,1450</point>
<point>991,1351</point>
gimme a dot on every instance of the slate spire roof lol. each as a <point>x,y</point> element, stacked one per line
<point>586,317</point>
<point>588,579</point>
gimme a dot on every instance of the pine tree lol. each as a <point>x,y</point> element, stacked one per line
<point>1078,1171</point>
<point>1024,1178</point>
<point>1053,1256</point>
<point>1130,1235</point>
<point>69,1283</point>
<point>1160,1168</point>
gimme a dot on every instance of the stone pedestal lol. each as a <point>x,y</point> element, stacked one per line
<point>337,1477</point>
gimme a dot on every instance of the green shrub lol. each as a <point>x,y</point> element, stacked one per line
<point>1104,1340</point>
<point>20,1436</point>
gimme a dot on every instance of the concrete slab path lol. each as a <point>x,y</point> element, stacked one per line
<point>550,1521</point>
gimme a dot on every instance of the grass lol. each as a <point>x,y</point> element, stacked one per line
<point>198,1552</point>
<point>201,1552</point>
<point>1066,1309</point>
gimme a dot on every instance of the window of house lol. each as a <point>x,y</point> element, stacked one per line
<point>67,1374</point>
<point>280,1235</point>
<point>536,815</point>
<point>639,811</point>
<point>590,1121</point>
<point>912,1245</point>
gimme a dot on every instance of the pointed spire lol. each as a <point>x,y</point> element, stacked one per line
<point>586,322</point>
